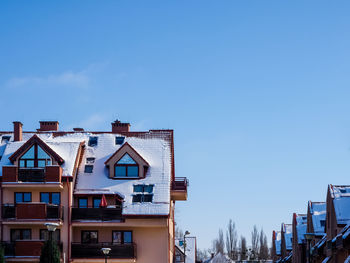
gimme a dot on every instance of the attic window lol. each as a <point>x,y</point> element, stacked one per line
<point>92,141</point>
<point>323,223</point>
<point>119,140</point>
<point>5,139</point>
<point>88,169</point>
<point>143,193</point>
<point>35,157</point>
<point>90,159</point>
<point>126,167</point>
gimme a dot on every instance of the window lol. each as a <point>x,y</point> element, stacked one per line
<point>121,237</point>
<point>88,169</point>
<point>50,198</point>
<point>119,140</point>
<point>89,237</point>
<point>21,234</point>
<point>90,159</point>
<point>5,139</point>
<point>143,193</point>
<point>35,157</point>
<point>323,223</point>
<point>23,197</point>
<point>96,202</point>
<point>126,167</point>
<point>83,202</point>
<point>92,141</point>
<point>56,236</point>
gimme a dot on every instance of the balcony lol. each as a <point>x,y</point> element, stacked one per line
<point>179,189</point>
<point>13,174</point>
<point>24,248</point>
<point>25,211</point>
<point>80,250</point>
<point>98,214</point>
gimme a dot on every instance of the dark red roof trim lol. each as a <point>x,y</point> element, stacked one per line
<point>124,145</point>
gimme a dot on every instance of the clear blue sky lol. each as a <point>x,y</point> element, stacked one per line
<point>258,92</point>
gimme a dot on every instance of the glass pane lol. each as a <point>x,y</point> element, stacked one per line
<point>45,197</point>
<point>27,234</point>
<point>117,237</point>
<point>126,159</point>
<point>93,237</point>
<point>88,168</point>
<point>138,188</point>
<point>29,154</point>
<point>15,234</point>
<point>56,198</point>
<point>127,237</point>
<point>92,141</point>
<point>27,197</point>
<point>30,163</point>
<point>83,203</point>
<point>48,162</point>
<point>22,163</point>
<point>97,202</point>
<point>41,163</point>
<point>120,171</point>
<point>85,237</point>
<point>136,198</point>
<point>44,234</point>
<point>147,198</point>
<point>56,235</point>
<point>133,171</point>
<point>148,188</point>
<point>42,154</point>
<point>19,197</point>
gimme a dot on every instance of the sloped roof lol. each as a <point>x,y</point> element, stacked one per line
<point>301,227</point>
<point>341,201</point>
<point>190,248</point>
<point>219,258</point>
<point>318,213</point>
<point>278,242</point>
<point>288,235</point>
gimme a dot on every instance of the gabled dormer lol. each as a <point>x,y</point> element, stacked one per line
<point>127,163</point>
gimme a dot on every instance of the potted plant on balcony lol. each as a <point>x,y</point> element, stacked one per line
<point>50,253</point>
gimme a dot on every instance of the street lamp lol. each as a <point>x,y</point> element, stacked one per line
<point>106,251</point>
<point>51,227</point>
<point>186,234</point>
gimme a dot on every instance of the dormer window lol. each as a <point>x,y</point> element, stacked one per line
<point>35,157</point>
<point>93,141</point>
<point>126,167</point>
<point>5,139</point>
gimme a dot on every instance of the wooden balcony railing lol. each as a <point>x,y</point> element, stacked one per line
<point>99,213</point>
<point>80,250</point>
<point>32,211</point>
<point>34,175</point>
<point>25,248</point>
<point>179,184</point>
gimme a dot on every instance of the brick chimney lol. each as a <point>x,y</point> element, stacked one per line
<point>118,126</point>
<point>48,126</point>
<point>17,131</point>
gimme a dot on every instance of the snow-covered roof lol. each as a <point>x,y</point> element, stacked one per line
<point>341,201</point>
<point>288,235</point>
<point>190,248</point>
<point>219,258</point>
<point>65,147</point>
<point>301,227</point>
<point>278,242</point>
<point>318,213</point>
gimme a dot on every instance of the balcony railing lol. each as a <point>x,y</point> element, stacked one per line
<point>35,175</point>
<point>99,213</point>
<point>31,175</point>
<point>180,184</point>
<point>80,250</point>
<point>25,248</point>
<point>32,211</point>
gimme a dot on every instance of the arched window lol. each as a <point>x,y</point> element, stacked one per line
<point>126,167</point>
<point>35,157</point>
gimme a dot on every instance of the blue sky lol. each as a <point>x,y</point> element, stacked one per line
<point>256,91</point>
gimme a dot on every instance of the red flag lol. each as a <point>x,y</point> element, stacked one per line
<point>103,202</point>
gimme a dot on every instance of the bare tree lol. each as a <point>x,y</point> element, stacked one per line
<point>255,242</point>
<point>202,254</point>
<point>219,243</point>
<point>264,249</point>
<point>231,240</point>
<point>179,234</point>
<point>243,248</point>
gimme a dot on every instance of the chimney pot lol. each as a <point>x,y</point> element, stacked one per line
<point>118,127</point>
<point>48,126</point>
<point>78,129</point>
<point>17,131</point>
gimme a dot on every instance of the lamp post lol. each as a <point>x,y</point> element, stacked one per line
<point>106,251</point>
<point>186,234</point>
<point>309,237</point>
<point>51,227</point>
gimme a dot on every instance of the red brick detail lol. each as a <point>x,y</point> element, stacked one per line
<point>53,174</point>
<point>17,131</point>
<point>28,248</point>
<point>48,126</point>
<point>118,127</point>
<point>31,211</point>
<point>9,173</point>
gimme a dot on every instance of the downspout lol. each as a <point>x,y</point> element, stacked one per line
<point>1,202</point>
<point>69,222</point>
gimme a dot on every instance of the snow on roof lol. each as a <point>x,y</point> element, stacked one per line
<point>67,149</point>
<point>278,242</point>
<point>318,213</point>
<point>288,235</point>
<point>341,201</point>
<point>156,151</point>
<point>190,248</point>
<point>219,258</point>
<point>301,226</point>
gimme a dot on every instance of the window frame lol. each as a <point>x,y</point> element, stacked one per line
<point>22,193</point>
<point>88,166</point>
<point>50,197</point>
<point>21,230</point>
<point>43,229</point>
<point>88,231</point>
<point>83,198</point>
<point>93,201</point>
<point>122,235</point>
<point>142,194</point>
<point>35,160</point>
<point>126,171</point>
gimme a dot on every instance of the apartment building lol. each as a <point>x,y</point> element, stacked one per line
<point>115,189</point>
<point>299,242</point>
